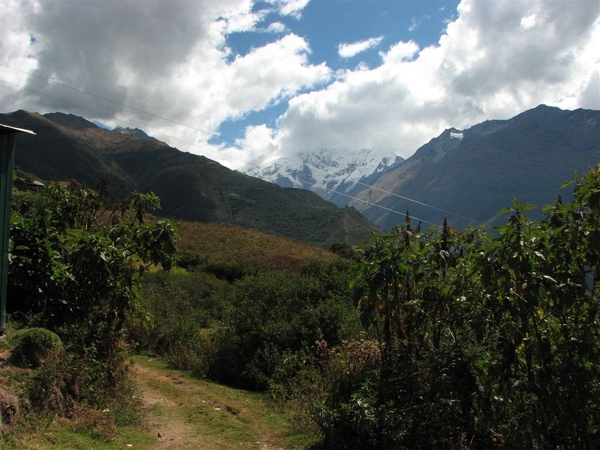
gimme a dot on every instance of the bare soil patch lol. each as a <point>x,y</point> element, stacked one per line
<point>186,413</point>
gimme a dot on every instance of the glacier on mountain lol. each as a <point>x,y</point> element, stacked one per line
<point>326,172</point>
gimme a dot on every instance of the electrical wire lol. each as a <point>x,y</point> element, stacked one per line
<point>218,136</point>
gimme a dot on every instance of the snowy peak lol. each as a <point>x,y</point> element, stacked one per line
<point>326,171</point>
<point>140,134</point>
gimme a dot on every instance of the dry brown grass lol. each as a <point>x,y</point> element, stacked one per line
<point>218,243</point>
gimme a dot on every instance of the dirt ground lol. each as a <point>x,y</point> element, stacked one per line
<point>185,413</point>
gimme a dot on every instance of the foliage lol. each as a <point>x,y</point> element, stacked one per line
<point>206,244</point>
<point>304,380</point>
<point>75,265</point>
<point>188,261</point>
<point>10,411</point>
<point>191,187</point>
<point>231,272</point>
<point>30,346</point>
<point>53,388</point>
<point>187,313</point>
<point>273,315</point>
<point>471,340</point>
<point>182,307</point>
<point>488,340</point>
<point>345,251</point>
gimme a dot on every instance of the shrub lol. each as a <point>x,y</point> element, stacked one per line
<point>10,411</point>
<point>274,316</point>
<point>489,340</point>
<point>189,261</point>
<point>53,388</point>
<point>182,306</point>
<point>77,259</point>
<point>231,272</point>
<point>98,424</point>
<point>31,346</point>
<point>304,381</point>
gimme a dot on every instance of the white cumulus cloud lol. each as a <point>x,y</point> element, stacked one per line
<point>290,7</point>
<point>162,62</point>
<point>174,69</point>
<point>353,49</point>
<point>494,61</point>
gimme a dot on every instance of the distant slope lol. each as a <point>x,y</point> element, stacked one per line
<point>191,187</point>
<point>225,244</point>
<point>472,174</point>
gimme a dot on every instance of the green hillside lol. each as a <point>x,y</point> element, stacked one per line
<point>190,187</point>
<point>426,339</point>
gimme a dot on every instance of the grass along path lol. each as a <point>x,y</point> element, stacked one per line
<point>186,413</point>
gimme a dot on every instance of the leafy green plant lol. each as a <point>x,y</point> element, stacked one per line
<point>75,265</point>
<point>30,346</point>
<point>489,340</point>
<point>179,329</point>
<point>274,315</point>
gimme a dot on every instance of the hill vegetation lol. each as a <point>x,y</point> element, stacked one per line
<point>207,244</point>
<point>424,339</point>
<point>77,262</point>
<point>190,187</point>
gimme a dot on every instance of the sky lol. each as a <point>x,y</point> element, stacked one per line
<point>246,82</point>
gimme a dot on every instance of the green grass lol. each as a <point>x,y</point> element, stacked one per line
<point>86,429</point>
<point>222,244</point>
<point>37,433</point>
<point>224,417</point>
<point>61,434</point>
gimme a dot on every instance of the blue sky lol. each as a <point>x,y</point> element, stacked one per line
<point>328,24</point>
<point>277,77</point>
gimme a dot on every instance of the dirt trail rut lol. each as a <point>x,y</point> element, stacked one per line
<point>185,413</point>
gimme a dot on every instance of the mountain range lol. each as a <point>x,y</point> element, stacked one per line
<point>466,176</point>
<point>331,174</point>
<point>190,187</point>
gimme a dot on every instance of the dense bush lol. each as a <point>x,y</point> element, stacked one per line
<point>274,315</point>
<point>488,340</point>
<point>76,258</point>
<point>471,340</point>
<point>231,271</point>
<point>305,379</point>
<point>189,261</point>
<point>237,323</point>
<point>32,345</point>
<point>183,307</point>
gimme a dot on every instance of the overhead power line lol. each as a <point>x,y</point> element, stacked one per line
<point>215,135</point>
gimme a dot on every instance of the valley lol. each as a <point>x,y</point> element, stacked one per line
<point>395,343</point>
<point>465,176</point>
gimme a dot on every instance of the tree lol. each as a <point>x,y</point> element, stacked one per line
<point>75,266</point>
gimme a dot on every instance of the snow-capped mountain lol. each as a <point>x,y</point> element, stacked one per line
<point>331,174</point>
<point>134,132</point>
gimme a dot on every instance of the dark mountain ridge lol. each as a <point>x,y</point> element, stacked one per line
<point>191,187</point>
<point>134,132</point>
<point>470,175</point>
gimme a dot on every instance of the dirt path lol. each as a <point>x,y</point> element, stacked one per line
<point>186,413</point>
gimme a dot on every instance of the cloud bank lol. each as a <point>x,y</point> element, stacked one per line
<point>146,62</point>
